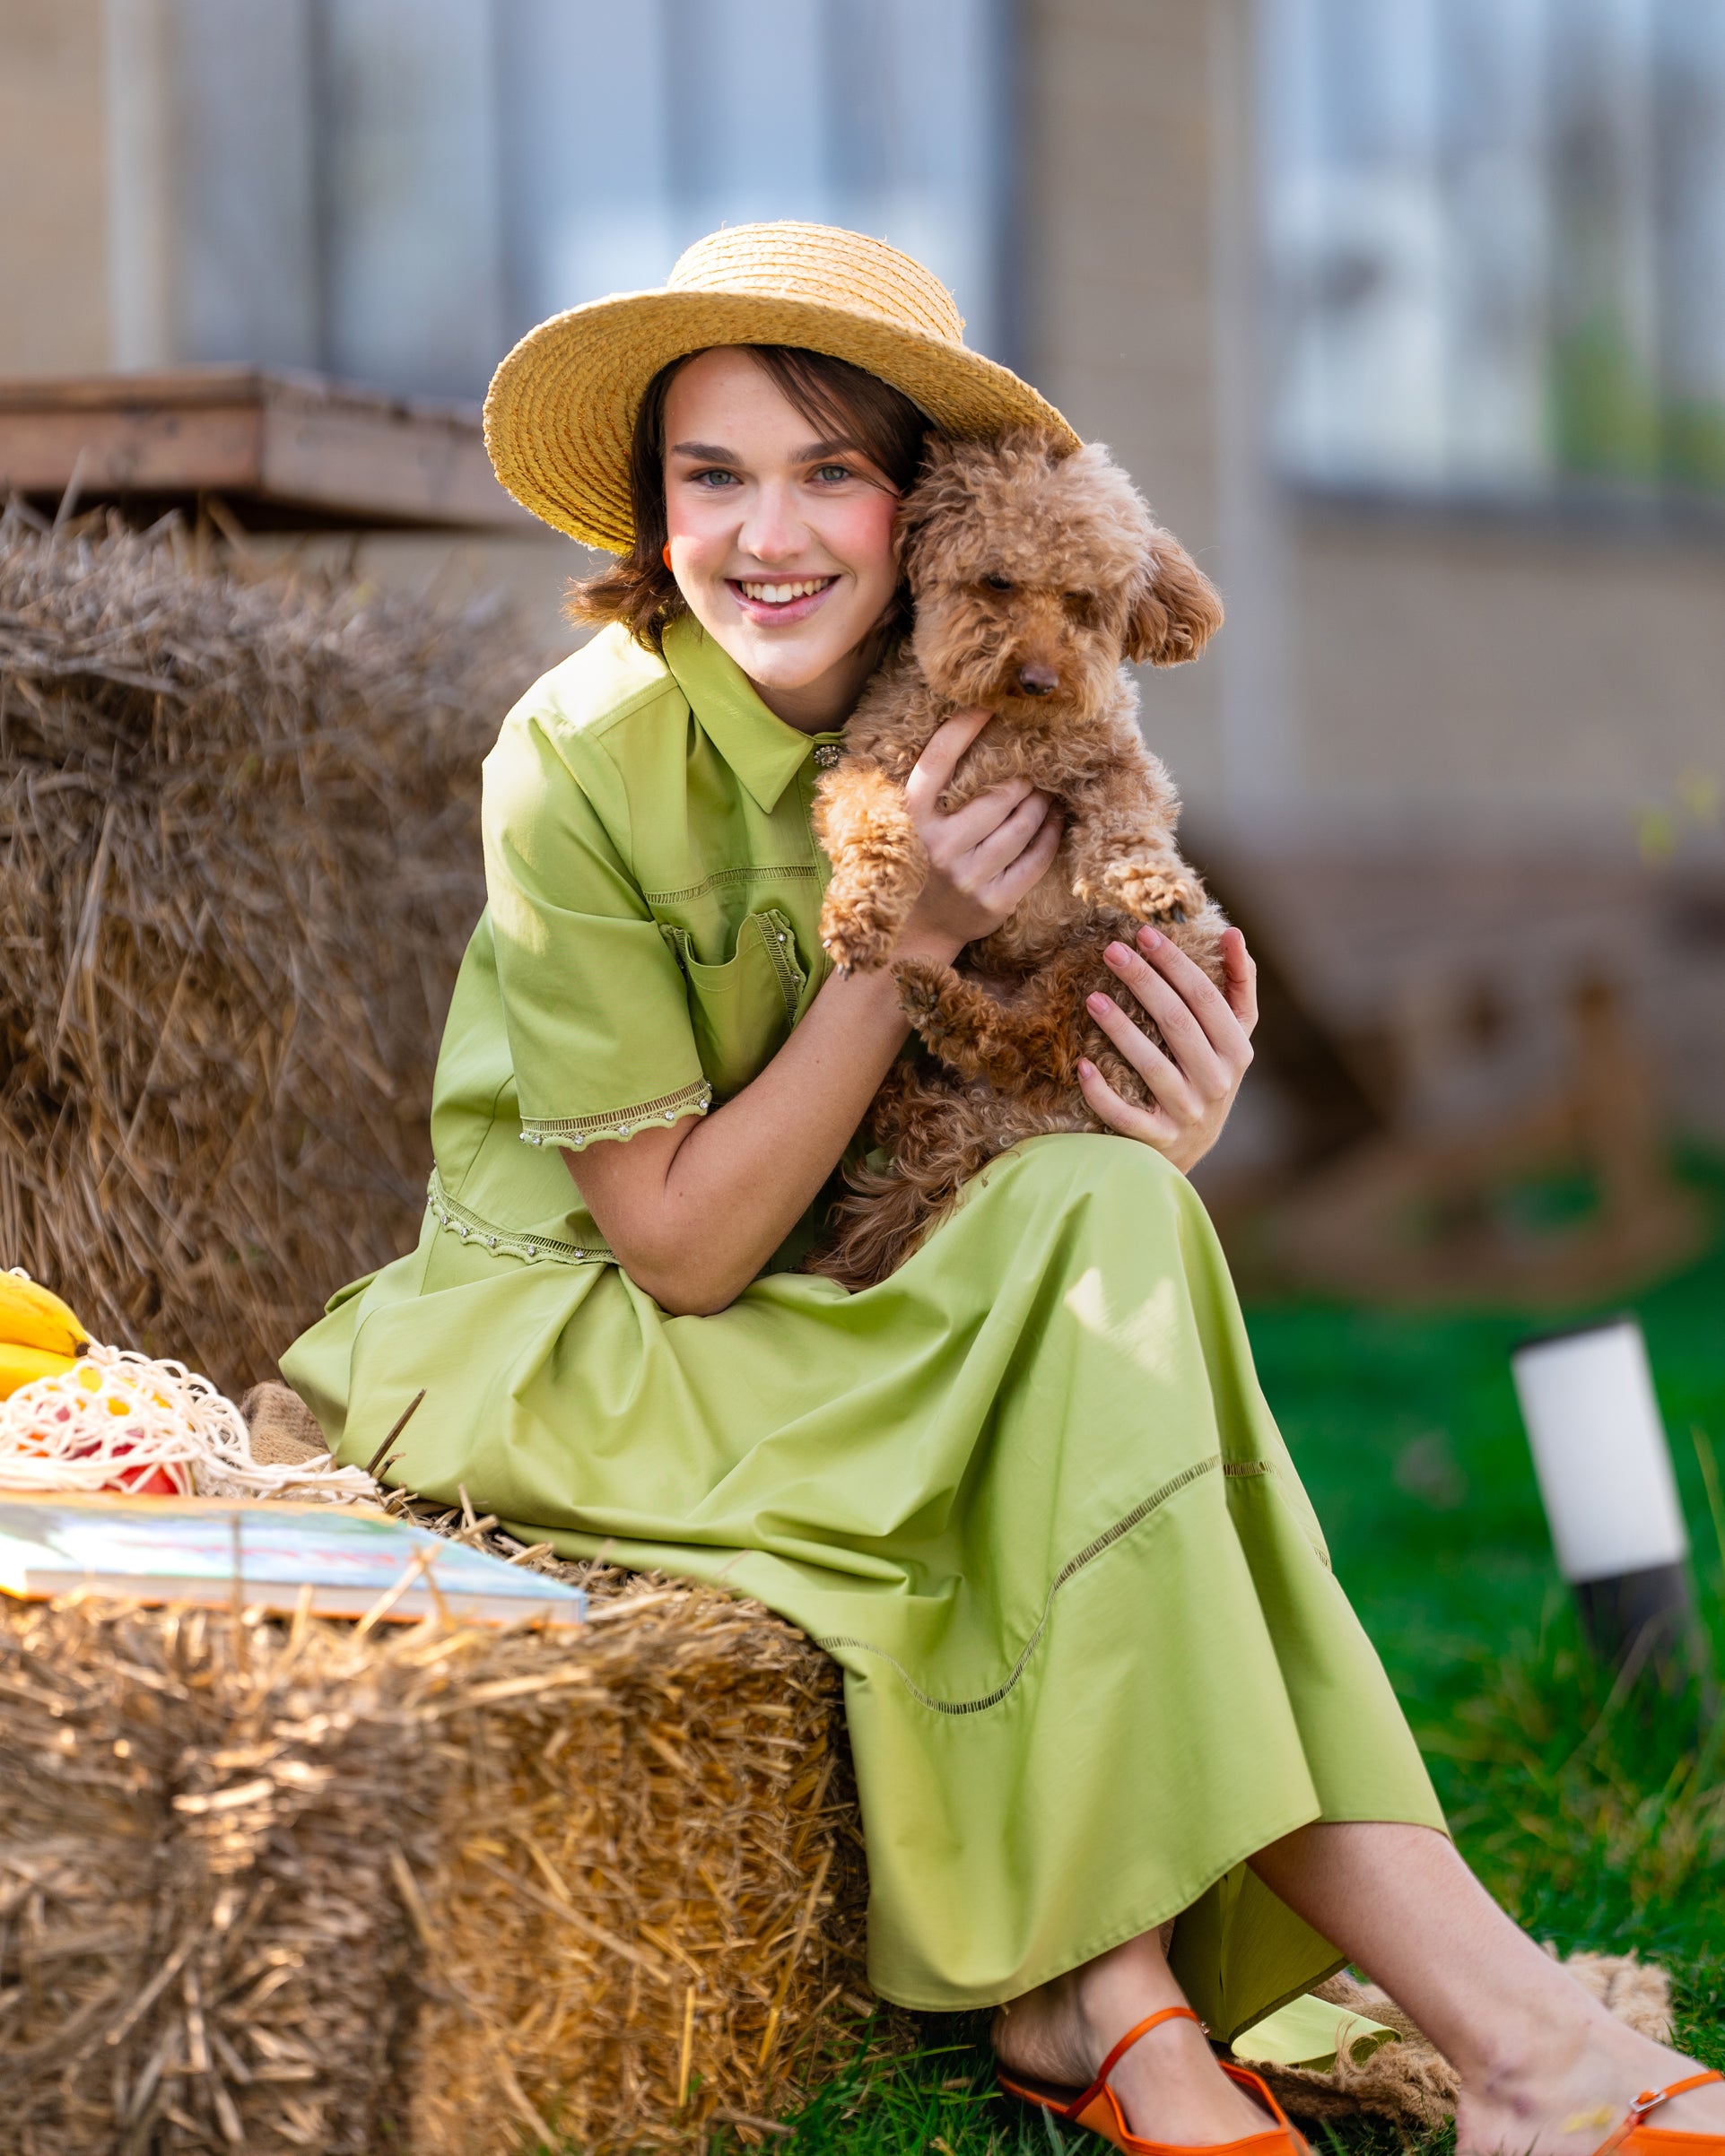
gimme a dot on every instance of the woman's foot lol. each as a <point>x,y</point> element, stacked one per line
<point>1560,2095</point>
<point>1168,2083</point>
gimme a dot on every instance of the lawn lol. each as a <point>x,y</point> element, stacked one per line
<point>1601,1820</point>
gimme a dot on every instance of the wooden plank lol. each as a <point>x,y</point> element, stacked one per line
<point>420,470</point>
<point>217,449</point>
<point>179,387</point>
<point>287,441</point>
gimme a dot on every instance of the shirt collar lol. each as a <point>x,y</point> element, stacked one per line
<point>765,753</point>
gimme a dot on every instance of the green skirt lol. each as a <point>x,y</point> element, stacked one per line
<point>1026,1491</point>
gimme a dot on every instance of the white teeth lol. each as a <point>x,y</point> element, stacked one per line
<point>779,595</point>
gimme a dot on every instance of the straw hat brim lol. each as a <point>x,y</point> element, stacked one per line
<point>559,415</point>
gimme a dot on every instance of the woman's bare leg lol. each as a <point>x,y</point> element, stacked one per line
<point>1167,2084</point>
<point>1545,2071</point>
<point>1543,2067</point>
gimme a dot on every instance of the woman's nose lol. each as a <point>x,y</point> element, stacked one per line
<point>770,531</point>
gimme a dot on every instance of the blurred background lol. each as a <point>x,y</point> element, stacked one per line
<point>1408,315</point>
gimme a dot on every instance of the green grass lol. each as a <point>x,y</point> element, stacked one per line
<point>1598,1819</point>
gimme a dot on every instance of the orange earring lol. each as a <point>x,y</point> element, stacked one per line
<point>665,553</point>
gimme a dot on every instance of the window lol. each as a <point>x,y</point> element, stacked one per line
<point>394,190</point>
<point>1496,236</point>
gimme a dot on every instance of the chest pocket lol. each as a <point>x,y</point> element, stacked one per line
<point>741,1011</point>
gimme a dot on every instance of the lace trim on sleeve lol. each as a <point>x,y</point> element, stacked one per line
<point>578,1131</point>
<point>473,1227</point>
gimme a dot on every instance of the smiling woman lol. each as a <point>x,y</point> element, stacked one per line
<point>1102,1689</point>
<point>843,443</point>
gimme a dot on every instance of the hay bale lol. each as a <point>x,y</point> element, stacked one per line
<point>300,1887</point>
<point>197,1823</point>
<point>239,863</point>
<point>651,1879</point>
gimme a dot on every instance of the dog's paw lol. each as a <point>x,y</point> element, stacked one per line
<point>1152,894</point>
<point>921,986</point>
<point>857,944</point>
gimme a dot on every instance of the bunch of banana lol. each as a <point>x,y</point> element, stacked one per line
<point>40,1337</point>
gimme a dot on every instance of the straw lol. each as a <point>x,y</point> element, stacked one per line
<point>434,1889</point>
<point>241,865</point>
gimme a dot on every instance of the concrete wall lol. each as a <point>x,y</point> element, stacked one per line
<point>54,298</point>
<point>1117,195</point>
<point>1142,325</point>
<point>1504,681</point>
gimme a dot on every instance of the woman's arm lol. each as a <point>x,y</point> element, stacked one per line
<point>694,1211</point>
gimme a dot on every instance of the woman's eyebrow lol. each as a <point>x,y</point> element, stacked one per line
<point>711,453</point>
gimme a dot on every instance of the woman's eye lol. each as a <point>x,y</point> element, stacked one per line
<point>999,583</point>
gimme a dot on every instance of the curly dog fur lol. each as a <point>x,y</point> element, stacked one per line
<point>1033,574</point>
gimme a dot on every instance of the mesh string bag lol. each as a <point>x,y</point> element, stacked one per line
<point>122,1421</point>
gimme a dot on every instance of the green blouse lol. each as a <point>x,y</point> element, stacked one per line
<point>651,937</point>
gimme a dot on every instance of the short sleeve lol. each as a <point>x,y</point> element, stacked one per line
<point>594,1002</point>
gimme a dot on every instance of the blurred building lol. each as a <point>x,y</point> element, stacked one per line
<point>1409,316</point>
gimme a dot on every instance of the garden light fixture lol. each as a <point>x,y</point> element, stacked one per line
<point>1605,1475</point>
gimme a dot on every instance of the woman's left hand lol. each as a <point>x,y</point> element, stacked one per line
<point>1193,1080</point>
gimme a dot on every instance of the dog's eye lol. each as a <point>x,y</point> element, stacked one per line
<point>999,583</point>
<point>1081,605</point>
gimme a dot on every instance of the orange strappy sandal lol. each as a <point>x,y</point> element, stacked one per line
<point>1634,2137</point>
<point>1098,2108</point>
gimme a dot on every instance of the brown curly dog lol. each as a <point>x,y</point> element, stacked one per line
<point>1033,574</point>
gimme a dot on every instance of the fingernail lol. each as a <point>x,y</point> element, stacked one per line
<point>1149,937</point>
<point>1087,1069</point>
<point>1117,955</point>
<point>1099,1005</point>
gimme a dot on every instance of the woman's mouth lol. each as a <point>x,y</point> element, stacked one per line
<point>761,599</point>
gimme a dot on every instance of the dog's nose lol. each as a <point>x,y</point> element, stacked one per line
<point>1038,681</point>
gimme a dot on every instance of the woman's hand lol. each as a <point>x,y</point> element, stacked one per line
<point>1193,1081</point>
<point>984,856</point>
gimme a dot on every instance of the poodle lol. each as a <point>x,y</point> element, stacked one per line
<point>1033,571</point>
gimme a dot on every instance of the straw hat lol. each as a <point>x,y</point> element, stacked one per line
<point>561,411</point>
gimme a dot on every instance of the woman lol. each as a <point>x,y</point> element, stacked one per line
<point>1100,1681</point>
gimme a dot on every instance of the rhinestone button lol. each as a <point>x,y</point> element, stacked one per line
<point>826,755</point>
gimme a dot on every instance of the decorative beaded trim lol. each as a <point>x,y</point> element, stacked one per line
<point>578,1131</point>
<point>472,1227</point>
<point>781,948</point>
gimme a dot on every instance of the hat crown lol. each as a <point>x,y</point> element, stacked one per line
<point>824,263</point>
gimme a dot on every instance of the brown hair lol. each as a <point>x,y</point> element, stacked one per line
<point>637,588</point>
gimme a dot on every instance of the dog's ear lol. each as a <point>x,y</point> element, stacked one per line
<point>929,498</point>
<point>1176,609</point>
